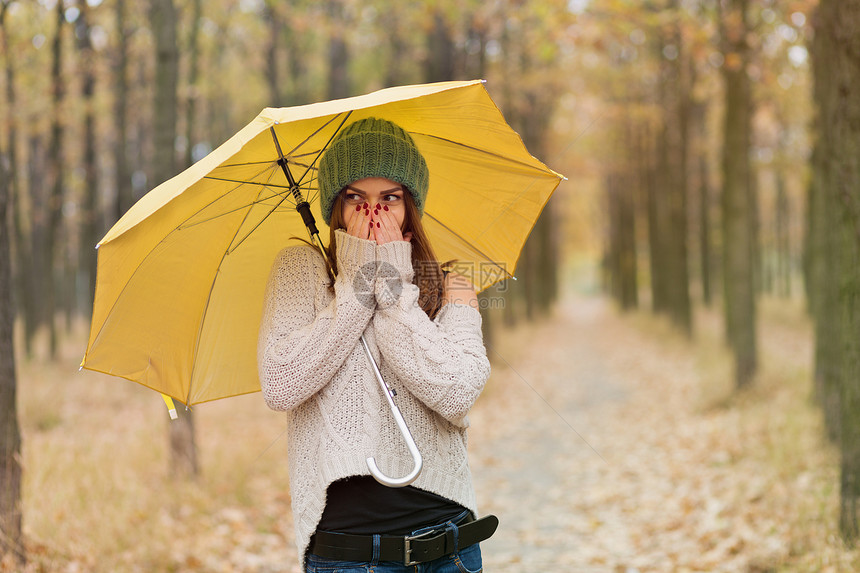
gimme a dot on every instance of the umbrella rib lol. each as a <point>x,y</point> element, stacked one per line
<point>260,222</point>
<point>336,131</point>
<point>179,227</point>
<point>258,201</point>
<point>479,150</point>
<point>247,163</point>
<point>240,182</point>
<point>284,197</point>
<point>291,155</point>
<point>477,250</point>
<point>291,159</point>
<point>319,129</point>
<point>212,289</point>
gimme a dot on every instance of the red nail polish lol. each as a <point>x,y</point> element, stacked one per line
<point>366,206</point>
<point>385,207</point>
<point>377,225</point>
<point>358,207</point>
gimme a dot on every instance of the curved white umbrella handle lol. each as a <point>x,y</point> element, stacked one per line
<point>404,429</point>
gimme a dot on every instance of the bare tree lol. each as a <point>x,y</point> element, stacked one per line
<point>737,199</point>
<point>56,166</point>
<point>274,24</point>
<point>91,224</point>
<point>124,192</point>
<point>838,97</point>
<point>11,540</point>
<point>338,52</point>
<point>439,66</point>
<point>193,90</point>
<point>622,240</point>
<point>822,251</point>
<point>10,436</point>
<point>22,248</point>
<point>673,145</point>
<point>162,13</point>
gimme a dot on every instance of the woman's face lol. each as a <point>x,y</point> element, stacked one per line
<point>373,191</point>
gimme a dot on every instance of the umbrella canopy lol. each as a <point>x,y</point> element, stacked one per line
<point>181,277</point>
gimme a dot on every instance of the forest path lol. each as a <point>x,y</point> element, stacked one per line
<point>599,446</point>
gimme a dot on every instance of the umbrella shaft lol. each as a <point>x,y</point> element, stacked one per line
<point>304,209</point>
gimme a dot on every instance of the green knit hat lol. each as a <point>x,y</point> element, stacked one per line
<point>372,147</point>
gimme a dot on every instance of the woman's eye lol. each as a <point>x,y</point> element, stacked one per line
<point>352,197</point>
<point>391,198</point>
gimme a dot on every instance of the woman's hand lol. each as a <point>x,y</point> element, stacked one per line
<point>384,226</point>
<point>359,224</point>
<point>458,290</point>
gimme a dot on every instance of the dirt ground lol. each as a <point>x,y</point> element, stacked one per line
<point>603,442</point>
<point>606,444</point>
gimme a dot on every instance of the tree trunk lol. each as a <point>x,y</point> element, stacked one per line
<point>737,203</point>
<point>621,187</point>
<point>656,225</point>
<point>299,92</point>
<point>141,142</point>
<point>399,63</point>
<point>273,66</point>
<point>758,267</point>
<point>56,167</point>
<point>705,229</point>
<point>11,538</point>
<point>183,452</point>
<point>783,240</point>
<point>822,255</point>
<point>183,446</point>
<point>840,21</point>
<point>163,20</point>
<point>700,146</point>
<point>338,53</point>
<point>476,59</point>
<point>193,91</point>
<point>22,272</point>
<point>440,50</point>
<point>37,179</point>
<point>124,193</point>
<point>674,153</point>
<point>91,221</point>
<point>622,241</point>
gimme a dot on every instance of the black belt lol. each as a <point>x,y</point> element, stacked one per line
<point>408,550</point>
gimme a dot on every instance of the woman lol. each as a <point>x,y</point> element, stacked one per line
<point>424,330</point>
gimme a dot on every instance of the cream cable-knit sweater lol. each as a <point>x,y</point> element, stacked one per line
<point>312,366</point>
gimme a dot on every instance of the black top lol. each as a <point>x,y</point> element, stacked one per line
<point>362,506</point>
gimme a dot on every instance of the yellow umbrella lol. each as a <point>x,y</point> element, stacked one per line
<point>181,277</point>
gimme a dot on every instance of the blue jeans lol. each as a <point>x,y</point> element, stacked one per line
<point>467,560</point>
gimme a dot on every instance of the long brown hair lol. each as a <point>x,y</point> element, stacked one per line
<point>428,272</point>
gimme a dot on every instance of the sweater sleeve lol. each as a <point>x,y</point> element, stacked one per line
<point>301,348</point>
<point>442,362</point>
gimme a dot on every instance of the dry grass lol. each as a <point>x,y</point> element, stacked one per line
<point>781,435</point>
<point>99,495</point>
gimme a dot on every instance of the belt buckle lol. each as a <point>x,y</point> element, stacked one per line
<point>407,547</point>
